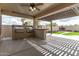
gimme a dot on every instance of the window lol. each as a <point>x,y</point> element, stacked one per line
<point>11,20</point>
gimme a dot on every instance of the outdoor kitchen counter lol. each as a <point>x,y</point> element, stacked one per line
<point>40,33</point>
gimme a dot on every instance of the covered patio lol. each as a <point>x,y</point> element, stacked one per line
<point>32,40</point>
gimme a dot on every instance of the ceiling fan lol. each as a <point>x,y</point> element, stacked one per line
<point>32,6</point>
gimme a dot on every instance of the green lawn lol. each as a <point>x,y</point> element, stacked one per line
<point>57,32</point>
<point>71,33</point>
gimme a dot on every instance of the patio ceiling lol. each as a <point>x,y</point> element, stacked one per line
<point>15,9</point>
<point>60,15</point>
<point>66,12</point>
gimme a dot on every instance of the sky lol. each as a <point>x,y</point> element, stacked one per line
<point>67,21</point>
<point>9,20</point>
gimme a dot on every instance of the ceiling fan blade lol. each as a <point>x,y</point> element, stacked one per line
<point>29,4</point>
<point>37,9</point>
<point>25,4</point>
<point>38,4</point>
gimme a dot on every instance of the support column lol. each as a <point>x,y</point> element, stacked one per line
<point>51,26</point>
<point>0,21</point>
<point>35,23</point>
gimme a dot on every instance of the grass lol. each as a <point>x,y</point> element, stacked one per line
<point>71,33</point>
<point>57,32</point>
<point>68,34</point>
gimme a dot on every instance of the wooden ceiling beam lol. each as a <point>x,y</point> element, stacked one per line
<point>17,14</point>
<point>59,8</point>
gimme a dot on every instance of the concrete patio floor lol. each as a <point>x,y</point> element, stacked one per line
<point>52,46</point>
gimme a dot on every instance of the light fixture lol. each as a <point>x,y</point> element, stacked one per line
<point>32,8</point>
